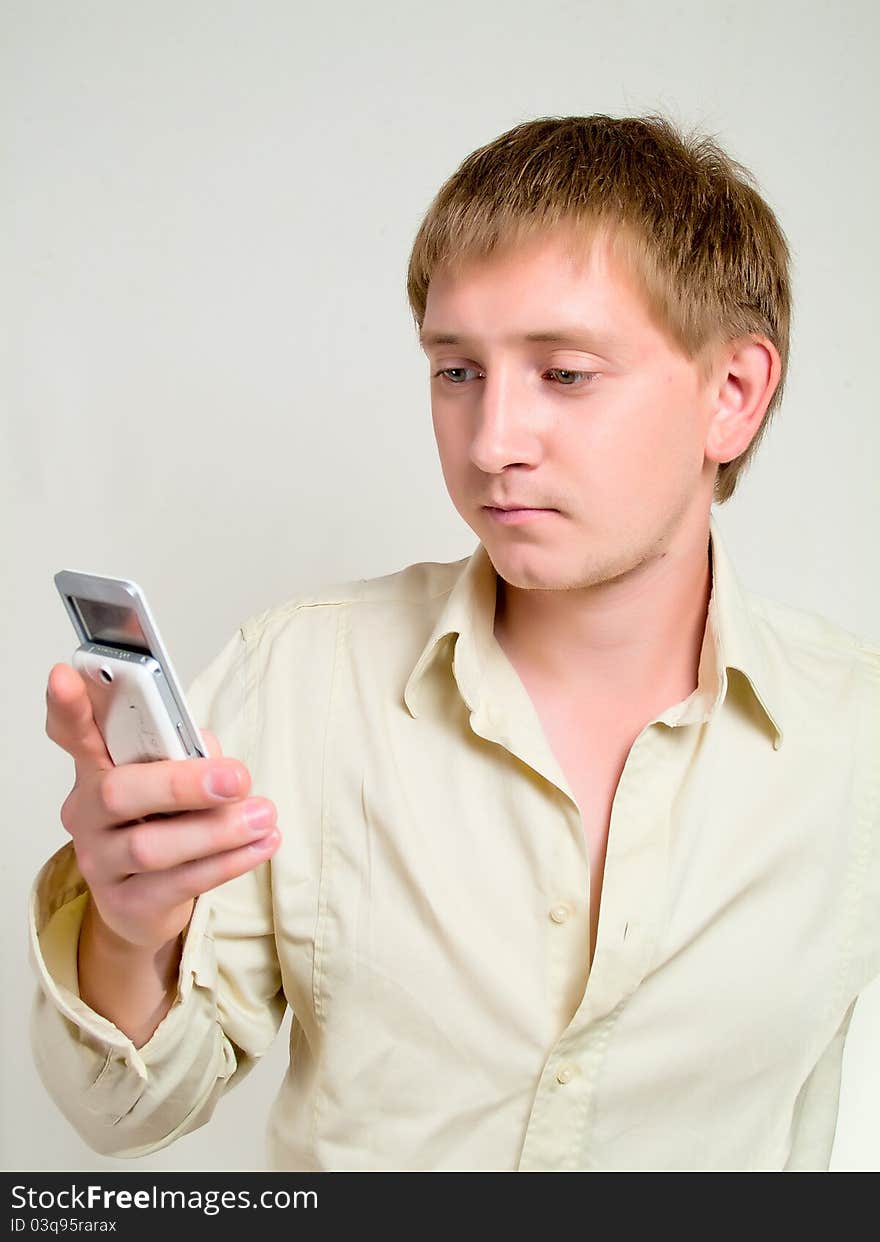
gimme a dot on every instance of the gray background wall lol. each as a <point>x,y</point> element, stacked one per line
<point>210,381</point>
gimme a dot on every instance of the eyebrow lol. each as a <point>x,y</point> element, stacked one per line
<point>581,337</point>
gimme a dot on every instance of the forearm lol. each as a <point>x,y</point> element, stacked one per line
<point>129,1091</point>
<point>132,987</point>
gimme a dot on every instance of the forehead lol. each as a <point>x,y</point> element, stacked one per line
<point>528,286</point>
<point>561,254</point>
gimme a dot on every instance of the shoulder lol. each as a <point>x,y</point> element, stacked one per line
<point>814,637</point>
<point>412,594</point>
<point>826,679</point>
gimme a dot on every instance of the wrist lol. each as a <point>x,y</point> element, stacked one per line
<point>110,944</point>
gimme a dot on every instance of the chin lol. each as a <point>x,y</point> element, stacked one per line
<point>528,568</point>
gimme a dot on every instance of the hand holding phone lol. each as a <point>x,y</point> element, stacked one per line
<point>144,872</point>
<point>149,838</point>
<point>152,829</point>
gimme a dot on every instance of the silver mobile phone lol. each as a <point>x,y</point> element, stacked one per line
<point>136,698</point>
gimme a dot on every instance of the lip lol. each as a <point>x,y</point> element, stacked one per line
<point>509,517</point>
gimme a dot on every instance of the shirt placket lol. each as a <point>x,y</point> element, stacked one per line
<point>630,919</point>
<point>632,907</point>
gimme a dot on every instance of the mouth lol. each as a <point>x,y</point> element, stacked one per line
<point>519,509</point>
<point>509,516</point>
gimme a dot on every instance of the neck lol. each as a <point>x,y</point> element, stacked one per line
<point>631,642</point>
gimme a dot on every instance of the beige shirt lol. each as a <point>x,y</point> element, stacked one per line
<point>426,916</point>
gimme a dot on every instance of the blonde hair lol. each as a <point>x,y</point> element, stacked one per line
<point>704,248</point>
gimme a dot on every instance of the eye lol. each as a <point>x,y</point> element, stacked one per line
<point>588,377</point>
<point>446,373</point>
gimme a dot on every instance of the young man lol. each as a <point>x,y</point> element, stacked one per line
<point>550,890</point>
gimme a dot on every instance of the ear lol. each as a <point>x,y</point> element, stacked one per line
<point>743,385</point>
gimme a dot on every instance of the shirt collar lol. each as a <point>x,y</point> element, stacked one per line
<point>732,640</point>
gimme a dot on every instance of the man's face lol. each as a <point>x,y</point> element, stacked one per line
<point>618,453</point>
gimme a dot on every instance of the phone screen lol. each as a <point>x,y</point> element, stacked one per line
<point>113,624</point>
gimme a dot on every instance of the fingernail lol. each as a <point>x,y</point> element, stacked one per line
<point>265,842</point>
<point>222,783</point>
<point>258,815</point>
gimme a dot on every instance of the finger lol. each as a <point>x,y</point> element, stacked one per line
<point>162,845</point>
<point>70,721</point>
<point>165,889</point>
<point>130,791</point>
<point>213,746</point>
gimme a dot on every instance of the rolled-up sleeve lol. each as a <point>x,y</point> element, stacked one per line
<point>229,1004</point>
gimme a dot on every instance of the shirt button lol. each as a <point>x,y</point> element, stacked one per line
<point>565,1074</point>
<point>559,913</point>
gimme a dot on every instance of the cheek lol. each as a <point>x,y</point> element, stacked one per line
<point>452,436</point>
<point>643,446</point>
<point>452,450</point>
<point>443,438</point>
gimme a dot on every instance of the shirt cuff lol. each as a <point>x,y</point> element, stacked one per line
<point>57,904</point>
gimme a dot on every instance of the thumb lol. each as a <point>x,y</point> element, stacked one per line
<point>70,721</point>
<point>215,750</point>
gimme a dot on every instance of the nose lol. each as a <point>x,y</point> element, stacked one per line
<point>505,426</point>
